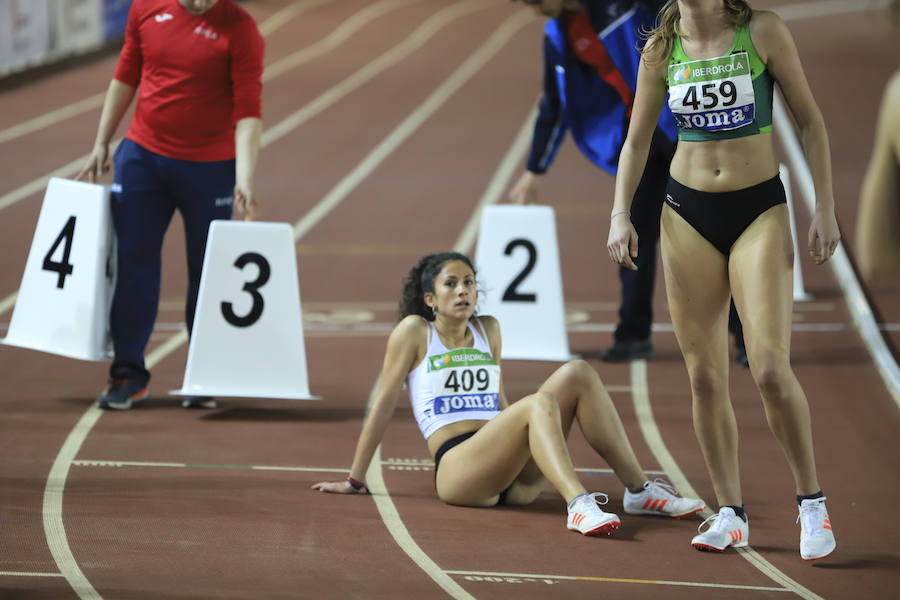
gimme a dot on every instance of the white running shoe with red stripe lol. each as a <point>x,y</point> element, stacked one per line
<point>659,497</point>
<point>587,518</point>
<point>816,535</point>
<point>725,529</point>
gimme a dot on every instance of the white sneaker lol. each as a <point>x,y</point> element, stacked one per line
<point>725,529</point>
<point>659,498</point>
<point>816,536</point>
<point>585,516</point>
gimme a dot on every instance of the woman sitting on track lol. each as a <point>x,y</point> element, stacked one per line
<point>487,451</point>
<point>725,232</point>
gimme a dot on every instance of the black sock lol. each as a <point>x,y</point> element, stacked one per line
<point>739,511</point>
<point>638,489</point>
<point>800,498</point>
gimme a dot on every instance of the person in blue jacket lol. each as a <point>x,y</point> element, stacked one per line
<point>591,58</point>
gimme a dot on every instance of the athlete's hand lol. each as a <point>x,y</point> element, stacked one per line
<point>525,190</point>
<point>245,202</point>
<point>338,487</point>
<point>622,243</point>
<point>97,164</point>
<point>824,236</point>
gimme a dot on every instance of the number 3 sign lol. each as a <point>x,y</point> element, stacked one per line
<point>519,276</point>
<point>248,329</point>
<point>63,302</point>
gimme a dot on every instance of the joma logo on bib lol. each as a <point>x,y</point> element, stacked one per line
<point>714,94</point>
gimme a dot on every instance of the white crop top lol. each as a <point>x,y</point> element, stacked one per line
<point>454,385</point>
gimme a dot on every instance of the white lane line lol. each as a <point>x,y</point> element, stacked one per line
<point>54,528</point>
<point>399,464</point>
<point>644,413</point>
<point>286,14</point>
<point>494,577</point>
<point>53,523</point>
<point>297,58</point>
<point>8,302</point>
<point>827,8</point>
<point>859,307</point>
<point>96,101</point>
<point>28,574</point>
<point>337,37</point>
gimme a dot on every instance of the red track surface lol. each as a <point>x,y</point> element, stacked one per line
<point>207,531</point>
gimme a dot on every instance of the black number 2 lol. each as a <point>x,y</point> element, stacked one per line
<point>512,294</point>
<point>64,268</point>
<point>251,287</point>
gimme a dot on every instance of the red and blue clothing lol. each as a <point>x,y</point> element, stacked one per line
<point>197,76</point>
<point>591,63</point>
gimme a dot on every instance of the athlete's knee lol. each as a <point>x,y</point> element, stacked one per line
<point>707,382</point>
<point>772,375</point>
<point>543,403</point>
<point>579,372</point>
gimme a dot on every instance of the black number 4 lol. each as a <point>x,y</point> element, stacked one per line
<point>251,288</point>
<point>63,268</point>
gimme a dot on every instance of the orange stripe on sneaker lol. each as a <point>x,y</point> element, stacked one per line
<point>660,507</point>
<point>647,503</point>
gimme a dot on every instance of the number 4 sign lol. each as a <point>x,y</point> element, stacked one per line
<point>63,302</point>
<point>248,330</point>
<point>519,274</point>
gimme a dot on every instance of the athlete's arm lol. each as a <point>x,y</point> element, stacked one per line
<point>878,220</point>
<point>118,97</point>
<point>777,49</point>
<point>247,134</point>
<point>649,96</point>
<point>403,348</point>
<point>495,341</point>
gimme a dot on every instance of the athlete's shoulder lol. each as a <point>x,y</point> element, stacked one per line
<point>768,32</point>
<point>410,327</point>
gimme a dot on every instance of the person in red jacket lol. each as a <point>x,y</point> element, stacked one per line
<point>196,67</point>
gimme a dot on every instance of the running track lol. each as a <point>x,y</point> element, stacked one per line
<point>387,123</point>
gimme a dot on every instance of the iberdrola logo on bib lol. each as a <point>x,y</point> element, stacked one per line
<point>440,361</point>
<point>683,73</point>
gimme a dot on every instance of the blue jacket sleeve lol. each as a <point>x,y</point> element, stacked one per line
<point>550,126</point>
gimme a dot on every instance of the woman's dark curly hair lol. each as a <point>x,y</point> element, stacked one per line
<point>420,281</point>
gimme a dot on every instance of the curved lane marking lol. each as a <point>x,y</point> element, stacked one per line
<point>54,527</point>
<point>96,101</point>
<point>644,413</point>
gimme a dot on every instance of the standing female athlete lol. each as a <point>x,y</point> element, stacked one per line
<point>725,231</point>
<point>483,455</point>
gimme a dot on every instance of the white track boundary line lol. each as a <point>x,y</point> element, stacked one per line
<point>28,574</point>
<point>281,66</point>
<point>863,318</point>
<point>644,413</point>
<point>535,576</point>
<point>54,527</point>
<point>96,101</point>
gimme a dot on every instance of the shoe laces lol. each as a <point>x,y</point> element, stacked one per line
<point>716,524</point>
<point>810,517</point>
<point>665,486</point>
<point>591,500</point>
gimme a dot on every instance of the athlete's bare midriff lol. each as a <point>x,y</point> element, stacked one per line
<point>724,165</point>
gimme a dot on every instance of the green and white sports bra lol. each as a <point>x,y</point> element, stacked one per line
<point>719,98</point>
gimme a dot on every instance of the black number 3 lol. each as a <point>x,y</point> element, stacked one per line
<point>251,288</point>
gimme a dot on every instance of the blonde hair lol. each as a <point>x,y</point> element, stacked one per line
<point>660,40</point>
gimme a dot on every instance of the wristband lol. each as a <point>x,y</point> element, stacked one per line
<point>356,485</point>
<point>621,212</point>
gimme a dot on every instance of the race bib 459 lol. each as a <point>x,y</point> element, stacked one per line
<point>715,94</point>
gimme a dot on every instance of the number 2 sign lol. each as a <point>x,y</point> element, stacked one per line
<point>519,278</point>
